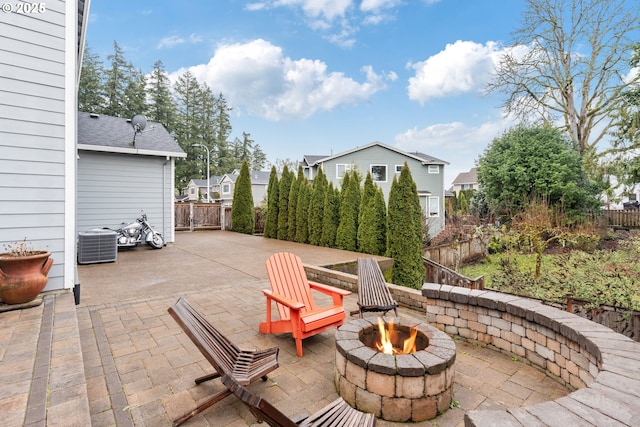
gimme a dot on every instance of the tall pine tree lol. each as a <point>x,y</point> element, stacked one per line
<point>91,97</point>
<point>162,108</point>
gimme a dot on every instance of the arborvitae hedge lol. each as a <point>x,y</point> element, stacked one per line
<point>283,203</point>
<point>347,234</point>
<point>330,217</point>
<point>271,223</point>
<point>293,204</point>
<point>302,213</point>
<point>316,207</point>
<point>405,231</point>
<point>242,215</point>
<point>372,229</point>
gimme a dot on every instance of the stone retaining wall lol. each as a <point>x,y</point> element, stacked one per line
<point>603,366</point>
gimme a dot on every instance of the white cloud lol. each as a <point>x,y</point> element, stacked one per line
<point>463,66</point>
<point>173,41</point>
<point>337,20</point>
<point>454,142</point>
<point>257,78</point>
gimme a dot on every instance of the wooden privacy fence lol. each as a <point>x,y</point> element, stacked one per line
<point>198,216</point>
<point>446,255</point>
<point>209,216</point>
<point>437,273</point>
<point>629,219</point>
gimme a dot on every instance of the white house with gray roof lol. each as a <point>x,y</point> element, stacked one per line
<point>118,178</point>
<point>385,162</point>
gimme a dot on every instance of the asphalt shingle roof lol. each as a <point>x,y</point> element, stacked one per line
<point>117,133</point>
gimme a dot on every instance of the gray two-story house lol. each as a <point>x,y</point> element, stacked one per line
<point>385,162</point>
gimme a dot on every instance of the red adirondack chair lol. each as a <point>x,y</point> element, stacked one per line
<point>297,310</point>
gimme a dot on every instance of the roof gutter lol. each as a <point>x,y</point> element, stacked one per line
<point>137,151</point>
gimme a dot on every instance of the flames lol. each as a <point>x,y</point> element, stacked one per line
<point>389,336</point>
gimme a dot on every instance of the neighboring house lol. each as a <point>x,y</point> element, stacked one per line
<point>118,178</point>
<point>465,181</point>
<point>39,73</point>
<point>197,189</point>
<point>385,162</point>
<point>259,185</point>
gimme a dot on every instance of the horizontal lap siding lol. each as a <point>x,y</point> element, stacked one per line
<point>32,132</point>
<point>114,188</point>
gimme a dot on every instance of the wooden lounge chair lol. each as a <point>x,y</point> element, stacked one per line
<point>337,414</point>
<point>298,312</point>
<point>244,365</point>
<point>373,293</point>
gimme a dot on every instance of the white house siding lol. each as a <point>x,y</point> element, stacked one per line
<point>36,148</point>
<point>114,188</point>
<point>427,184</point>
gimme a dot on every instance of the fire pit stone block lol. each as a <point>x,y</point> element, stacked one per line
<point>400,388</point>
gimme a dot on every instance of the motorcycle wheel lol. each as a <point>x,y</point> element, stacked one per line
<point>156,242</point>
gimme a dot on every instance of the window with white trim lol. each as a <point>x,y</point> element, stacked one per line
<point>226,188</point>
<point>399,169</point>
<point>342,168</point>
<point>433,169</point>
<point>378,173</point>
<point>434,206</point>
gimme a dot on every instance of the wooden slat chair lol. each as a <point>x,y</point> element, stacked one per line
<point>336,414</point>
<point>373,293</point>
<point>297,310</point>
<point>244,365</point>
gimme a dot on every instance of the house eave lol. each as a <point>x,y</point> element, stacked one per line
<point>135,151</point>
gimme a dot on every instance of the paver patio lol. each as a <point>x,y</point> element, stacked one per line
<point>139,366</point>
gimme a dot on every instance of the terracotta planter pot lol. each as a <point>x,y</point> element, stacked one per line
<point>23,278</point>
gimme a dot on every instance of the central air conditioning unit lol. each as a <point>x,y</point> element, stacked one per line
<point>98,245</point>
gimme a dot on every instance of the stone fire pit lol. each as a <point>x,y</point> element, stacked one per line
<point>401,388</point>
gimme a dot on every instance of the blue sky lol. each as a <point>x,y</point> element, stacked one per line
<point>324,76</point>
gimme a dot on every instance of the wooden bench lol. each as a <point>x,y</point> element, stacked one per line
<point>373,293</point>
<point>244,365</point>
<point>337,414</point>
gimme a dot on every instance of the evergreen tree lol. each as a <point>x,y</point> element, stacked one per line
<point>187,130</point>
<point>283,203</point>
<point>302,211</point>
<point>90,88</point>
<point>116,80</point>
<point>162,108</point>
<point>330,217</point>
<point>347,234</point>
<point>372,226</point>
<point>242,212</point>
<point>405,231</point>
<point>316,207</point>
<point>225,161</point>
<point>293,205</point>
<point>134,100</point>
<point>259,158</point>
<point>271,223</point>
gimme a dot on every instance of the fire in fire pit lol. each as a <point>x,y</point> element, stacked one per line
<point>400,371</point>
<point>390,337</point>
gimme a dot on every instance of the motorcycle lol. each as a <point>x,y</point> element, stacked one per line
<point>138,232</point>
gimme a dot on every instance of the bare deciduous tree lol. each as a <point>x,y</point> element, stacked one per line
<point>570,64</point>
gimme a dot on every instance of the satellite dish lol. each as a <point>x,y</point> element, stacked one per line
<point>138,122</point>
